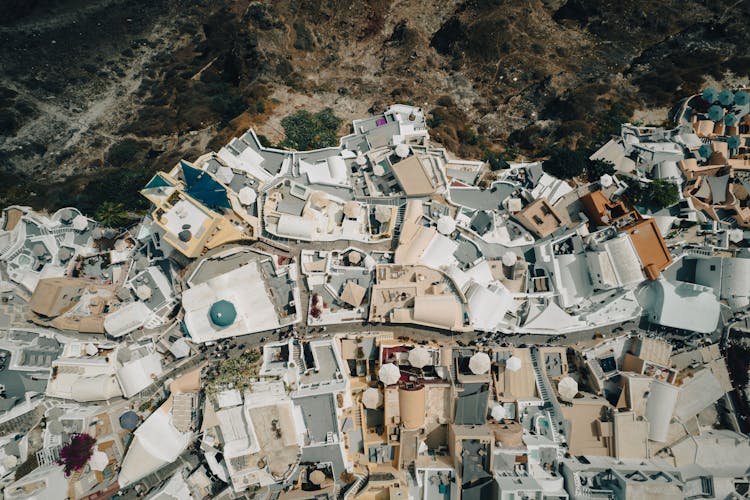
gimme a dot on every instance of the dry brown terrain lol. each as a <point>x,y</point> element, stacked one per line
<point>96,95</point>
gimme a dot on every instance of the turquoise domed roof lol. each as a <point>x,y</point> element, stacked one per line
<point>223,313</point>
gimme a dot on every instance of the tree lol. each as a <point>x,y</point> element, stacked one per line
<point>75,454</point>
<point>663,193</point>
<point>658,193</point>
<point>596,168</point>
<point>496,162</point>
<point>565,163</point>
<point>111,214</point>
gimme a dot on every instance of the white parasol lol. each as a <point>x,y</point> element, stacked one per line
<point>479,363</point>
<point>402,150</point>
<point>419,357</point>
<point>80,223</point>
<point>247,195</point>
<point>143,292</point>
<point>498,412</point>
<point>513,363</point>
<point>510,258</point>
<point>567,387</point>
<point>372,398</point>
<point>446,225</point>
<point>382,213</point>
<point>225,174</point>
<point>98,461</point>
<point>389,374</point>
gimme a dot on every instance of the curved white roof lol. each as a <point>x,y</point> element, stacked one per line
<point>136,375</point>
<point>486,308</point>
<point>660,405</point>
<point>98,388</point>
<point>337,168</point>
<point>295,227</point>
<point>553,318</point>
<point>685,306</point>
<point>156,443</point>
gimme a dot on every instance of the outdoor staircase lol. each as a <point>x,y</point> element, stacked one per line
<point>358,414</point>
<point>551,405</point>
<point>399,221</point>
<point>354,488</point>
<point>297,357</point>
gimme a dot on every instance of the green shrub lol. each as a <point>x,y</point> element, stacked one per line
<point>565,163</point>
<point>596,168</point>
<point>305,130</point>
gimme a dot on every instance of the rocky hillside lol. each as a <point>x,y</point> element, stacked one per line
<point>95,95</point>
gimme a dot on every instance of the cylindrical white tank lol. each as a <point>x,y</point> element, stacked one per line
<point>662,399</point>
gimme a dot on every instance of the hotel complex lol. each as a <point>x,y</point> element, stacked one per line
<point>382,320</point>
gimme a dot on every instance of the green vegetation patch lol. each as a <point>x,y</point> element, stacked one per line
<point>305,130</point>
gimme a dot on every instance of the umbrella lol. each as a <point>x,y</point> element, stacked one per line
<point>143,292</point>
<point>64,254</point>
<point>91,350</point>
<point>123,293</point>
<point>715,113</point>
<point>567,387</point>
<point>225,174</point>
<point>705,150</point>
<point>606,180</point>
<point>98,461</point>
<point>247,195</point>
<point>55,427</point>
<point>66,215</point>
<point>402,150</point>
<point>446,225</point>
<point>389,374</point>
<point>97,233</point>
<point>509,258</point>
<point>726,97</point>
<point>355,257</point>
<point>382,213</point>
<point>731,119</point>
<point>372,398</point>
<point>736,235</point>
<point>709,95</point>
<point>479,363</point>
<point>741,98</point>
<point>180,348</point>
<point>513,363</point>
<point>80,223</point>
<point>498,412</point>
<point>317,477</point>
<point>129,420</point>
<point>109,233</point>
<point>38,249</point>
<point>733,142</point>
<point>378,170</point>
<point>419,357</point>
<point>360,160</point>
